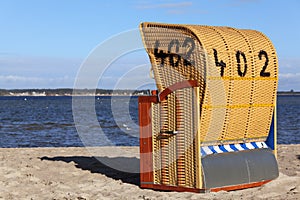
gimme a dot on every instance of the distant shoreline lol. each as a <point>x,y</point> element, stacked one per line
<point>83,95</point>
<point>92,92</point>
<point>71,92</point>
<point>288,93</point>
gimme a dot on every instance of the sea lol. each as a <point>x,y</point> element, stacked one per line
<point>47,121</point>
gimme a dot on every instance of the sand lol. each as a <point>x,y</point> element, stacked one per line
<point>75,173</point>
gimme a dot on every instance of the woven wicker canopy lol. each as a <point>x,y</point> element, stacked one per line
<point>217,94</point>
<point>236,71</point>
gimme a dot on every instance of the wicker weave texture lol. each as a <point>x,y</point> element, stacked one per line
<point>237,72</point>
<point>174,154</point>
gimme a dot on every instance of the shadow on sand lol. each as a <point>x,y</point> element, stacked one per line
<point>95,166</point>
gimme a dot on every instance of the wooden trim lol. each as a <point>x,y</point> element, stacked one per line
<point>172,188</point>
<point>239,187</point>
<point>148,186</point>
<point>154,92</point>
<point>197,139</point>
<point>183,84</point>
<point>146,163</point>
<point>275,128</point>
<point>147,99</point>
<point>196,190</point>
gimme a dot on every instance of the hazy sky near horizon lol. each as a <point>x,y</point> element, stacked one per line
<point>43,43</point>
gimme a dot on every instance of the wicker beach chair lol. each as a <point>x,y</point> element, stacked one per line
<point>211,124</point>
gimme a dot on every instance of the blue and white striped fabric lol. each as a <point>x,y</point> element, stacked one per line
<point>207,150</point>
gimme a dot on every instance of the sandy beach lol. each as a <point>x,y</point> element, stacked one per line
<point>76,173</point>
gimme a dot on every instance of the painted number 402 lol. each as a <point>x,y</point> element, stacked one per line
<point>242,63</point>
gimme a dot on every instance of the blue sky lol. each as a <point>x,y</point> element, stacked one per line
<point>43,43</point>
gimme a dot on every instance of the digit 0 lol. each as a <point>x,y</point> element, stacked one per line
<point>238,59</point>
<point>174,54</point>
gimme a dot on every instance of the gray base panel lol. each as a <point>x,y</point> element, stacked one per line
<point>236,168</point>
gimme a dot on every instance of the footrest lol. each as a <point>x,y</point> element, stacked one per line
<point>239,168</point>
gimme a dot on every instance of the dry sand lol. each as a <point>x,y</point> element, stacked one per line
<point>73,173</point>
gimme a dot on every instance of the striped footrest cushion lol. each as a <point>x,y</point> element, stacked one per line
<point>207,150</point>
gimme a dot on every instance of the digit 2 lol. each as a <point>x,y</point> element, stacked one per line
<point>171,55</point>
<point>188,43</point>
<point>263,72</point>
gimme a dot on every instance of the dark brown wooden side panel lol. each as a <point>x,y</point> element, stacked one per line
<point>146,164</point>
